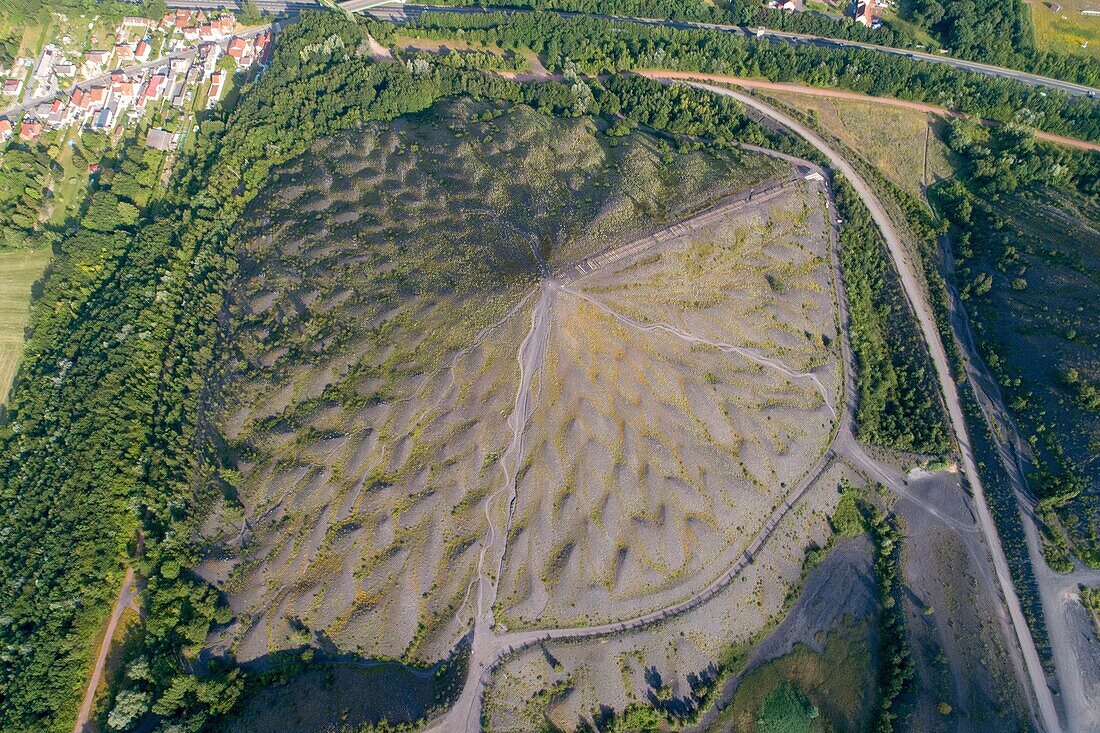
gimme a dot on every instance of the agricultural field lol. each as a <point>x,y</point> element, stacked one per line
<point>387,283</point>
<point>1067,30</point>
<point>903,144</point>
<point>19,270</point>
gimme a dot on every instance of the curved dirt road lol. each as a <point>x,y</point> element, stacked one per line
<point>915,295</point>
<point>856,97</point>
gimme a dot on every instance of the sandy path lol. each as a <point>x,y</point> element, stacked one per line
<point>126,595</point>
<point>746,353</point>
<point>856,97</point>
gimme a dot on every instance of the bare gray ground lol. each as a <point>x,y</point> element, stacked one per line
<point>681,652</point>
<point>384,293</point>
<point>652,454</point>
<point>955,636</point>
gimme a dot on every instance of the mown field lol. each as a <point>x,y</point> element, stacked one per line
<point>903,144</point>
<point>19,270</point>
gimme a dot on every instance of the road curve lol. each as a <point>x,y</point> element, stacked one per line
<point>829,93</point>
<point>917,300</point>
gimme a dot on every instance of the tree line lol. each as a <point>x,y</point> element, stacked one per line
<point>979,30</point>
<point>600,46</point>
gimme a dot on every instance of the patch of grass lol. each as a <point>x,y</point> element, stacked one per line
<point>839,683</point>
<point>1067,31</point>
<point>847,519</point>
<point>903,144</point>
<point>19,269</point>
<point>788,711</point>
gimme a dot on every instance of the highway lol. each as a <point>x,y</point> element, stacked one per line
<point>398,14</point>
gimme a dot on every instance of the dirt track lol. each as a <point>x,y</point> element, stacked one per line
<point>841,94</point>
<point>126,595</point>
<point>930,333</point>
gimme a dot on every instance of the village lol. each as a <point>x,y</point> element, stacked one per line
<point>182,63</point>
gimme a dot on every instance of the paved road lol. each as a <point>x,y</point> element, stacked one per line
<point>103,79</point>
<point>126,596</point>
<point>796,39</point>
<point>930,334</point>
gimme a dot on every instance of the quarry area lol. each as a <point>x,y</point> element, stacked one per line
<point>580,414</point>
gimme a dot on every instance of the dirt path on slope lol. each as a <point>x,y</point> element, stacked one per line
<point>126,595</point>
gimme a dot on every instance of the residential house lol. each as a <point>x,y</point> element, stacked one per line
<point>105,119</point>
<point>135,21</point>
<point>142,51</point>
<point>94,61</point>
<point>5,129</point>
<point>124,92</point>
<point>30,131</point>
<point>97,57</point>
<point>237,49</point>
<point>265,43</point>
<point>153,91</point>
<point>217,86</point>
<point>160,139</point>
<point>68,68</point>
<point>57,115</point>
<point>124,52</point>
<point>12,87</point>
<point>865,14</point>
<point>209,53</point>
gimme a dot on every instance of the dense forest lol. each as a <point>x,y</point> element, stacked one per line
<point>598,46</point>
<point>898,400</point>
<point>980,30</point>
